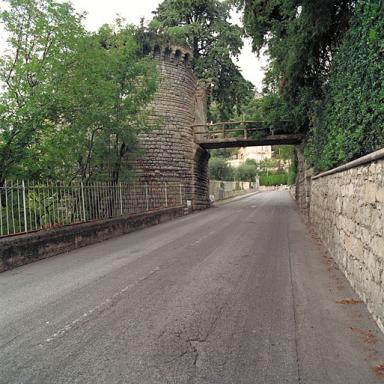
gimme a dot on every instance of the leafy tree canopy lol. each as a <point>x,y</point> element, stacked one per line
<point>219,169</point>
<point>73,102</point>
<point>270,109</point>
<point>42,39</point>
<point>246,172</point>
<point>301,37</point>
<point>283,152</point>
<point>205,26</point>
<point>349,122</point>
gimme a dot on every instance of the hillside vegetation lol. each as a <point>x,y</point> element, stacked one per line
<point>326,73</point>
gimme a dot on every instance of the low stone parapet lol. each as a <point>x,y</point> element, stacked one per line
<point>24,249</point>
<point>347,211</point>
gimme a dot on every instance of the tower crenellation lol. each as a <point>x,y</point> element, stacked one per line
<point>174,53</point>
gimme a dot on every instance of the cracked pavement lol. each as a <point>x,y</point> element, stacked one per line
<point>238,294</point>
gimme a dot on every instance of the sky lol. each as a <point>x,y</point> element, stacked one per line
<point>101,12</point>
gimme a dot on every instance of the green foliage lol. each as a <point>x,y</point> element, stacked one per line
<point>127,86</point>
<point>278,177</point>
<point>219,169</point>
<point>253,110</point>
<point>326,72</point>
<point>213,112</point>
<point>246,172</point>
<point>301,37</point>
<point>204,26</point>
<point>269,164</point>
<point>274,179</point>
<point>283,152</point>
<point>224,153</point>
<point>292,174</point>
<point>42,39</point>
<point>73,102</point>
<point>272,110</point>
<point>350,121</point>
<point>251,162</point>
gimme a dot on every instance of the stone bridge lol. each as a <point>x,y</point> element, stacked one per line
<point>176,149</point>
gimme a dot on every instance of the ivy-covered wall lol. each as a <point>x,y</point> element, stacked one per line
<point>350,121</point>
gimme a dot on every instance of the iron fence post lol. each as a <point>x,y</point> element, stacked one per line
<point>166,195</point>
<point>181,195</point>
<point>121,200</point>
<point>146,196</point>
<point>24,207</point>
<point>1,213</point>
<point>83,201</point>
<point>6,206</point>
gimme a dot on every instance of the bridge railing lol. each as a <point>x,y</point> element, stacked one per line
<point>237,129</point>
<point>31,206</point>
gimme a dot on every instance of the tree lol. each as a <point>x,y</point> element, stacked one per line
<point>224,153</point>
<point>349,122</point>
<point>272,111</point>
<point>42,37</point>
<point>219,169</point>
<point>325,71</point>
<point>73,102</point>
<point>268,165</point>
<point>204,26</point>
<point>301,37</point>
<point>125,85</point>
<point>283,152</point>
<point>246,172</point>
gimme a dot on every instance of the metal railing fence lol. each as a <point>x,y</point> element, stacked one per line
<point>30,206</point>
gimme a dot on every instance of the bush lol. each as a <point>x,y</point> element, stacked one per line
<point>291,175</point>
<point>277,179</point>
<point>246,172</point>
<point>219,169</point>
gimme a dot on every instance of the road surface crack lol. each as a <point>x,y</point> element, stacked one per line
<point>193,343</point>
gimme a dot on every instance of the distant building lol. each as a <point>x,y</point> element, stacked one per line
<point>251,153</point>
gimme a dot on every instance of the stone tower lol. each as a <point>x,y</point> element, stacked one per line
<point>169,151</point>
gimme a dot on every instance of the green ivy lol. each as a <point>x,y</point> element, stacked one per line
<point>350,121</point>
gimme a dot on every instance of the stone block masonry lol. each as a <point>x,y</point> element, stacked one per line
<point>347,211</point>
<point>169,153</point>
<point>303,181</point>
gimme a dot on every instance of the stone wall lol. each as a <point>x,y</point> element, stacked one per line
<point>200,179</point>
<point>347,211</point>
<point>169,153</point>
<point>200,176</point>
<point>24,249</point>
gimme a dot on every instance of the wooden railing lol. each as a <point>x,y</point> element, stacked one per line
<point>239,129</point>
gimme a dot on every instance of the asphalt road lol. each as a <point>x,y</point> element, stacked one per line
<point>238,294</point>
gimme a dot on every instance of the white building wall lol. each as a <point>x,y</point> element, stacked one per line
<point>252,153</point>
